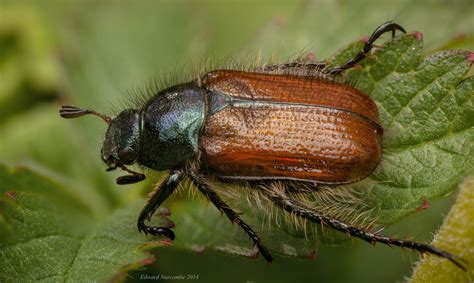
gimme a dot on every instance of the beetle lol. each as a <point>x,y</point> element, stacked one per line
<point>277,123</point>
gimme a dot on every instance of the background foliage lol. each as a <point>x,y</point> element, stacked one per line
<point>90,54</point>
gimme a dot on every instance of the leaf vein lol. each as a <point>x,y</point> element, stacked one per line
<point>420,91</point>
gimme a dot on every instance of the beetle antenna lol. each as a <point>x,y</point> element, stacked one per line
<point>70,112</point>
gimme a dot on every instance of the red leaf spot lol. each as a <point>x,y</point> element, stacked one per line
<point>470,57</point>
<point>11,195</point>
<point>169,224</point>
<point>147,261</point>
<point>312,255</point>
<point>310,57</point>
<point>419,35</point>
<point>164,211</point>
<point>424,205</point>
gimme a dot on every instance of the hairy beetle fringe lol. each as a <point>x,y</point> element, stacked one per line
<point>338,202</point>
<point>342,203</point>
<point>138,96</point>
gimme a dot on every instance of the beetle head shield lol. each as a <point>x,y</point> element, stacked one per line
<point>120,146</point>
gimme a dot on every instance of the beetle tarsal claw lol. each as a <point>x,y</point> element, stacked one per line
<point>159,231</point>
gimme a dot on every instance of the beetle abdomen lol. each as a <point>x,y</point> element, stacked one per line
<point>278,136</point>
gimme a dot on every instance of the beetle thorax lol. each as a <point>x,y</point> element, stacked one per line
<point>172,120</point>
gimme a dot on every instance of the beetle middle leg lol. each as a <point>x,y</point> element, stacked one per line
<point>233,216</point>
<point>295,207</point>
<point>165,189</point>
<point>379,31</point>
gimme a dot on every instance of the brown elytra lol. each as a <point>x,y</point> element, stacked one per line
<point>273,126</point>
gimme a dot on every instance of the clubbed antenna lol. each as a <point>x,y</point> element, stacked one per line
<point>70,112</point>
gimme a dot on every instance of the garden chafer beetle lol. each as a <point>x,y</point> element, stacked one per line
<point>274,124</point>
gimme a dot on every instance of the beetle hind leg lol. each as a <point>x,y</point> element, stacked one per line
<point>295,207</point>
<point>233,216</point>
<point>320,69</point>
<point>378,32</point>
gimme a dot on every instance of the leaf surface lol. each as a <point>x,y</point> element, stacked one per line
<point>50,233</point>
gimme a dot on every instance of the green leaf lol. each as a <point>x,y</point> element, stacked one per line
<point>420,162</point>
<point>23,142</point>
<point>49,233</point>
<point>427,111</point>
<point>201,227</point>
<point>425,155</point>
<point>28,69</point>
<point>426,108</point>
<point>457,234</point>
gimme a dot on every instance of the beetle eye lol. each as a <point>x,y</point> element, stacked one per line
<point>127,155</point>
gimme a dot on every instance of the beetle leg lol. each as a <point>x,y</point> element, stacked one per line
<point>379,31</point>
<point>229,212</point>
<point>164,190</point>
<point>293,206</point>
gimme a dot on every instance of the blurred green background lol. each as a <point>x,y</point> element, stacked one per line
<point>93,53</point>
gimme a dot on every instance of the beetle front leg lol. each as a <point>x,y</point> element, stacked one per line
<point>165,189</point>
<point>295,207</point>
<point>379,31</point>
<point>230,213</point>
